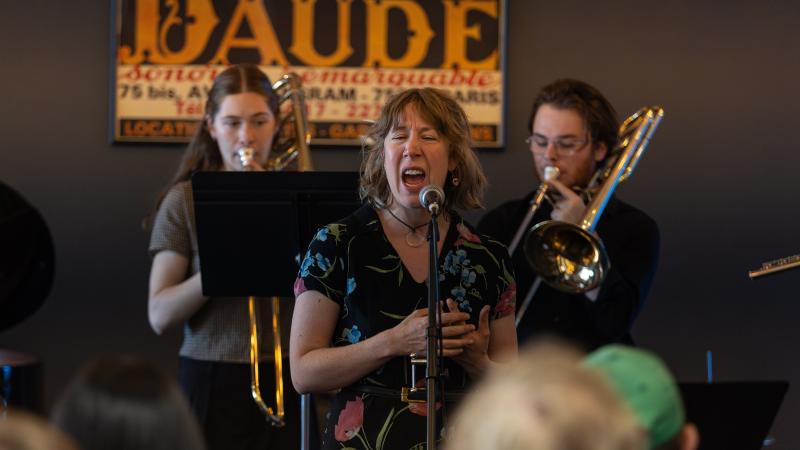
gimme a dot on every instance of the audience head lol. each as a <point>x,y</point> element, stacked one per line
<point>24,431</point>
<point>545,401</point>
<point>126,404</point>
<point>647,386</point>
<point>461,175</point>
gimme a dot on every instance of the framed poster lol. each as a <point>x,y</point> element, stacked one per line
<point>351,55</point>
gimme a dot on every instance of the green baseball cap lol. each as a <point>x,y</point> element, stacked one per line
<point>646,385</point>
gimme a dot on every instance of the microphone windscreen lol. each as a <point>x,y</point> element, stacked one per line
<point>431,194</point>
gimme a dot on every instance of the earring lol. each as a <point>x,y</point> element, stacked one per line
<point>456,181</point>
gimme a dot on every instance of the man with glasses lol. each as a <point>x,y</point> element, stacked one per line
<point>574,128</point>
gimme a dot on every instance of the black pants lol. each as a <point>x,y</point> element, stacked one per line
<point>219,394</point>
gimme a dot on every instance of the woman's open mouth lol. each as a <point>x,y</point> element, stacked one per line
<point>413,178</point>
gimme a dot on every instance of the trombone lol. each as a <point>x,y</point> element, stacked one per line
<point>292,145</point>
<point>295,137</point>
<point>775,266</point>
<point>550,173</point>
<point>571,258</point>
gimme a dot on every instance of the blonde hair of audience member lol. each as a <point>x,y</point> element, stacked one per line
<point>126,404</point>
<point>23,431</point>
<point>545,401</point>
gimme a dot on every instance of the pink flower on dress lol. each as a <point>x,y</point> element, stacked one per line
<point>507,300</point>
<point>466,235</point>
<point>299,286</point>
<point>350,420</point>
<point>421,409</point>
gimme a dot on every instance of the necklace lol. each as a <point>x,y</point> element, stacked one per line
<point>412,238</point>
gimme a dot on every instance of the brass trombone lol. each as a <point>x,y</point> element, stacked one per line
<point>550,173</point>
<point>570,257</point>
<point>292,144</point>
<point>295,137</point>
<point>775,266</point>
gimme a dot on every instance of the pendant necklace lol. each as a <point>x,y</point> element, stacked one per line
<point>412,238</point>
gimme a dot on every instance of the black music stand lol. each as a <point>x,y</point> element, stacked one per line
<point>254,227</point>
<point>733,415</point>
<point>251,226</point>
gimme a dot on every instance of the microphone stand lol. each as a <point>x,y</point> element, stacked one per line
<point>434,327</point>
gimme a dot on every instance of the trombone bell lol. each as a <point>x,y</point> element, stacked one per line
<point>566,256</point>
<point>291,147</point>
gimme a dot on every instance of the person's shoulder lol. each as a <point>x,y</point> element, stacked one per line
<point>468,233</point>
<point>179,194</point>
<point>635,217</point>
<point>359,221</point>
<point>509,206</point>
<point>363,217</point>
<point>501,215</point>
<point>627,209</point>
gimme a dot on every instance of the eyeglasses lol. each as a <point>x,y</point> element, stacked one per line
<point>564,146</point>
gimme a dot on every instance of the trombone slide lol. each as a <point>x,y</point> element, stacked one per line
<point>550,173</point>
<point>523,226</point>
<point>274,417</point>
<point>775,266</point>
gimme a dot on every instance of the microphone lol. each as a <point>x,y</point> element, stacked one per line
<point>431,197</point>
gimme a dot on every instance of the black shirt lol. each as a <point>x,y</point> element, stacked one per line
<point>631,239</point>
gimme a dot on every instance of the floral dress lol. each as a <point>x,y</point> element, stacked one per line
<point>354,264</point>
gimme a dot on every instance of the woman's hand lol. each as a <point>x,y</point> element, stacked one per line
<point>475,355</point>
<point>409,336</point>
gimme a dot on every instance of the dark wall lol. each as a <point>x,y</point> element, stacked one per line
<point>719,176</point>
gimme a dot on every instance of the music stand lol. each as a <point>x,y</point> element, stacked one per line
<point>252,225</point>
<point>733,414</point>
<point>252,230</point>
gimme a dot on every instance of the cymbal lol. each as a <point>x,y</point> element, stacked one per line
<point>27,258</point>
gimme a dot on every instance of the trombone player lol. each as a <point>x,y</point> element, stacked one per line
<point>241,122</point>
<point>574,128</point>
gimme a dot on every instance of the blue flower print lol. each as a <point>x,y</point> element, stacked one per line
<point>307,262</point>
<point>448,261</point>
<point>322,234</point>
<point>450,264</point>
<point>461,257</point>
<point>310,261</point>
<point>459,293</point>
<point>468,277</point>
<point>322,262</point>
<point>454,262</point>
<point>351,285</point>
<point>352,335</point>
<point>457,264</point>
